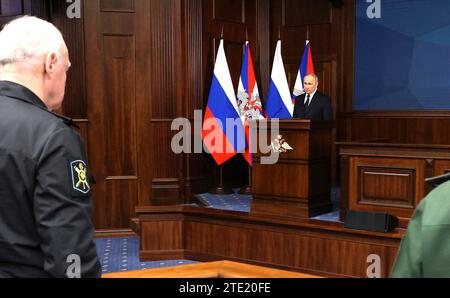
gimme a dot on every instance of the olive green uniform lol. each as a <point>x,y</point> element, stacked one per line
<point>425,250</point>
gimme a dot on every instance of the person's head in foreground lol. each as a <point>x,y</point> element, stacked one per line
<point>46,228</point>
<point>33,54</point>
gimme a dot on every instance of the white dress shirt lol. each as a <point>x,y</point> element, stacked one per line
<point>311,96</point>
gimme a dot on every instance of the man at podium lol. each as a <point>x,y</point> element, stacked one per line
<point>313,105</point>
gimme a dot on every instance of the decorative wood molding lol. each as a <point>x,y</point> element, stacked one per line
<point>344,202</point>
<point>115,233</point>
<point>122,6</point>
<point>389,178</point>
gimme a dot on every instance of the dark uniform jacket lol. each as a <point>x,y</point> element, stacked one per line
<point>45,191</point>
<point>319,109</point>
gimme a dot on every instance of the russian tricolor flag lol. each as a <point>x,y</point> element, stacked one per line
<point>306,68</point>
<point>223,131</point>
<point>279,102</point>
<point>249,102</point>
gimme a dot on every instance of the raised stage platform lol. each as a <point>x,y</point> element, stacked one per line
<point>309,246</point>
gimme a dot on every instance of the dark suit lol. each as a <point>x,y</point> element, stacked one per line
<point>319,108</point>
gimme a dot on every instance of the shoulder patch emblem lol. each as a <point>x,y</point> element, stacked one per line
<point>80,181</point>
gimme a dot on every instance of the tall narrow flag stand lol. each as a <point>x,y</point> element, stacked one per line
<point>247,190</point>
<point>250,107</point>
<point>221,189</point>
<point>221,140</point>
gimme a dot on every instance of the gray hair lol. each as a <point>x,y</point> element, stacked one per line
<point>27,39</point>
<point>313,75</point>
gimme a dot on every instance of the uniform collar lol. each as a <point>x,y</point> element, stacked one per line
<point>19,92</point>
<point>16,91</point>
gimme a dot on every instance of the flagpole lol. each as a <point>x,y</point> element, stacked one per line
<point>221,189</point>
<point>247,190</point>
<point>221,96</point>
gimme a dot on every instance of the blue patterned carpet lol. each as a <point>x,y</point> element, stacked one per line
<point>122,254</point>
<point>237,202</point>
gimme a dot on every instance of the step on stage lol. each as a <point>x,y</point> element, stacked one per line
<point>289,243</point>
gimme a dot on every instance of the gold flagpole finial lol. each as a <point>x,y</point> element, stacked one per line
<point>307,32</point>
<point>221,34</point>
<point>279,33</point>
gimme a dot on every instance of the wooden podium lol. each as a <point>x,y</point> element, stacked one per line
<point>299,185</point>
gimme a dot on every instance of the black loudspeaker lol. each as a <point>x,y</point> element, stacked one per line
<point>370,221</point>
<point>438,180</point>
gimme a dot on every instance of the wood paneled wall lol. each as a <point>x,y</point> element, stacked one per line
<point>118,80</point>
<point>136,66</point>
<point>145,67</point>
<point>139,64</point>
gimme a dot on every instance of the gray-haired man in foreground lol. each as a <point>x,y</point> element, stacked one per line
<point>45,184</point>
